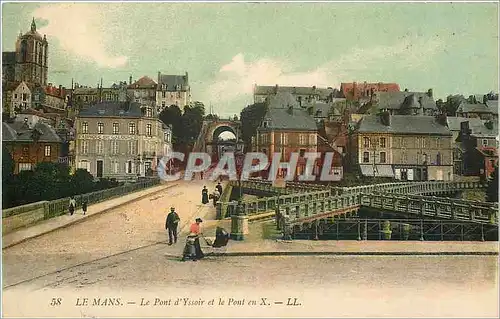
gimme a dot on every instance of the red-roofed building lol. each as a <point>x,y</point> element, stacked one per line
<point>355,91</point>
<point>55,97</point>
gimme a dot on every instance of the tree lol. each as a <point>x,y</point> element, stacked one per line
<point>51,181</point>
<point>7,164</point>
<point>82,182</point>
<point>251,117</point>
<point>492,190</point>
<point>172,116</point>
<point>192,120</point>
<point>212,117</point>
<point>7,175</point>
<point>451,105</point>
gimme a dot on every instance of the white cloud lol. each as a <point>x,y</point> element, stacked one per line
<point>236,79</point>
<point>81,30</point>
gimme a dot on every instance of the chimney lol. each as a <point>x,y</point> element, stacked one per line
<point>385,118</point>
<point>310,110</point>
<point>430,93</point>
<point>464,128</point>
<point>130,80</point>
<point>421,108</point>
<point>276,89</point>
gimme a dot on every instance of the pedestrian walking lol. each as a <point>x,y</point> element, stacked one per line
<point>171,225</point>
<point>72,205</point>
<point>84,206</point>
<point>219,188</point>
<point>204,195</point>
<point>192,249</point>
<point>215,197</point>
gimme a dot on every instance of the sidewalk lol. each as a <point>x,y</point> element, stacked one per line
<point>66,220</point>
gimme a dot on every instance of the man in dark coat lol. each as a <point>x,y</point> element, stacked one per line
<point>171,225</point>
<point>219,188</point>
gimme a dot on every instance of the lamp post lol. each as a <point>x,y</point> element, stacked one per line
<point>373,146</point>
<point>239,164</point>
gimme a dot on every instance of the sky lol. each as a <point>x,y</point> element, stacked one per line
<point>227,48</point>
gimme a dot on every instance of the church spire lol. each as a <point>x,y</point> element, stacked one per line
<point>33,25</point>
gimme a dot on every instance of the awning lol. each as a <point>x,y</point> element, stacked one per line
<point>380,170</point>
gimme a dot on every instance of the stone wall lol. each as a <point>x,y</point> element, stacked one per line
<point>22,216</point>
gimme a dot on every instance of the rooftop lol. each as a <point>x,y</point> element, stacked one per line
<point>112,109</point>
<point>299,90</point>
<point>144,82</point>
<point>284,113</point>
<point>405,99</point>
<point>491,106</point>
<point>476,125</point>
<point>402,124</point>
<point>23,132</point>
<point>171,81</point>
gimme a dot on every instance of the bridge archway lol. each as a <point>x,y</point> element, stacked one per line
<point>222,129</point>
<point>208,140</point>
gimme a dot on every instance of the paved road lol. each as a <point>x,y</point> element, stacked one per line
<point>138,224</point>
<point>346,286</point>
<point>123,251</point>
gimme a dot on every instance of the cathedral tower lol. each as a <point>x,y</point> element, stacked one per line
<point>32,57</point>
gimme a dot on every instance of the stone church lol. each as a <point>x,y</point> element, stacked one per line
<point>29,63</point>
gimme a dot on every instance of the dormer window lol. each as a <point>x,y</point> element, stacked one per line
<point>265,124</point>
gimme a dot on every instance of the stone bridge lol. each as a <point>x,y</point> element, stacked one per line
<point>211,129</point>
<point>302,204</point>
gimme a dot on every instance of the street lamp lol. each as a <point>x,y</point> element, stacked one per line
<point>239,163</point>
<point>373,145</point>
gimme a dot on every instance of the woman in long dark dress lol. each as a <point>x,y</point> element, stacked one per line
<point>204,195</point>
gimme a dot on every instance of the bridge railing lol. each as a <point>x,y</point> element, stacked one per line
<point>337,200</point>
<point>261,205</point>
<point>445,208</point>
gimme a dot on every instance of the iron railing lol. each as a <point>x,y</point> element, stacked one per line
<point>60,206</point>
<point>394,229</point>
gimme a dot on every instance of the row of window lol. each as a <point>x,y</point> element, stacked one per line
<point>165,86</point>
<point>116,128</point>
<point>367,142</point>
<point>132,147</point>
<point>164,95</point>
<point>304,139</point>
<point>25,96</point>
<point>382,157</point>
<point>46,151</point>
<point>130,167</point>
<point>404,159</point>
<point>421,142</point>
